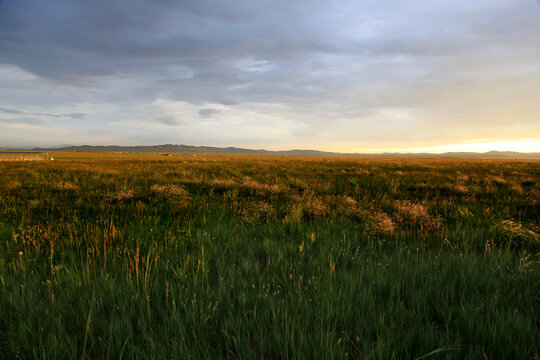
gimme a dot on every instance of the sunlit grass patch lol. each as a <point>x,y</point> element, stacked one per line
<point>379,223</point>
<point>518,234</point>
<point>224,183</point>
<point>258,211</point>
<point>123,194</point>
<point>169,190</point>
<point>306,207</point>
<point>66,186</point>
<point>259,188</point>
<point>415,215</point>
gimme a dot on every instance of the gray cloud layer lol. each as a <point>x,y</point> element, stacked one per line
<point>326,74</point>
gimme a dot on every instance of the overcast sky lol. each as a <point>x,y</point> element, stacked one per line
<point>358,75</point>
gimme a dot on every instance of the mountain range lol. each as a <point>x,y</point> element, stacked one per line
<point>174,149</point>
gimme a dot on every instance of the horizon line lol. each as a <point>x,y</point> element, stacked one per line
<point>382,152</point>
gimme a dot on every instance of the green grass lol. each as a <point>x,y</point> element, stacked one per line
<point>128,256</point>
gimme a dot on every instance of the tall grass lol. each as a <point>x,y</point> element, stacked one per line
<point>136,256</point>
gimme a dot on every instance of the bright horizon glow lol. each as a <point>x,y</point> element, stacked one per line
<point>531,146</point>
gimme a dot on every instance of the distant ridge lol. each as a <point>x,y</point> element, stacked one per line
<point>170,148</point>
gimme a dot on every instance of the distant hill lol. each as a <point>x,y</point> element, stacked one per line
<point>170,148</point>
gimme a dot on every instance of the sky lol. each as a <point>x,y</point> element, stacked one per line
<point>333,75</point>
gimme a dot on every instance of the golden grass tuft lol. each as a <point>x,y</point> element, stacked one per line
<point>347,206</point>
<point>462,177</point>
<point>412,214</point>
<point>306,207</point>
<point>380,223</point>
<point>169,190</point>
<point>224,183</point>
<point>260,188</point>
<point>313,207</point>
<point>35,236</point>
<point>497,179</point>
<point>66,186</point>
<point>124,194</point>
<point>13,185</point>
<point>518,233</point>
<point>258,211</point>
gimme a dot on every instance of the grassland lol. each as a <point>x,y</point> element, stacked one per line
<point>108,256</point>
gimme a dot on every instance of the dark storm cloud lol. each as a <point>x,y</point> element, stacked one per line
<point>78,38</point>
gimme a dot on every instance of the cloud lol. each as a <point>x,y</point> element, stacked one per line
<point>330,71</point>
<point>22,120</point>
<point>208,112</point>
<point>73,116</point>
<point>10,111</point>
<point>168,120</point>
<point>76,116</point>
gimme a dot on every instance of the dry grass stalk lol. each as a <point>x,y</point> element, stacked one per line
<point>169,191</point>
<point>124,194</point>
<point>259,188</point>
<point>412,214</point>
<point>66,186</point>
<point>226,183</point>
<point>519,233</point>
<point>258,211</point>
<point>380,223</point>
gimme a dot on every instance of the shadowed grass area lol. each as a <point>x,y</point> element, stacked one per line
<point>136,256</point>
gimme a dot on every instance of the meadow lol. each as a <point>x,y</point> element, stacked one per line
<point>110,256</point>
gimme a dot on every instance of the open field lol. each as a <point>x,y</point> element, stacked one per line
<point>23,155</point>
<point>108,256</point>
